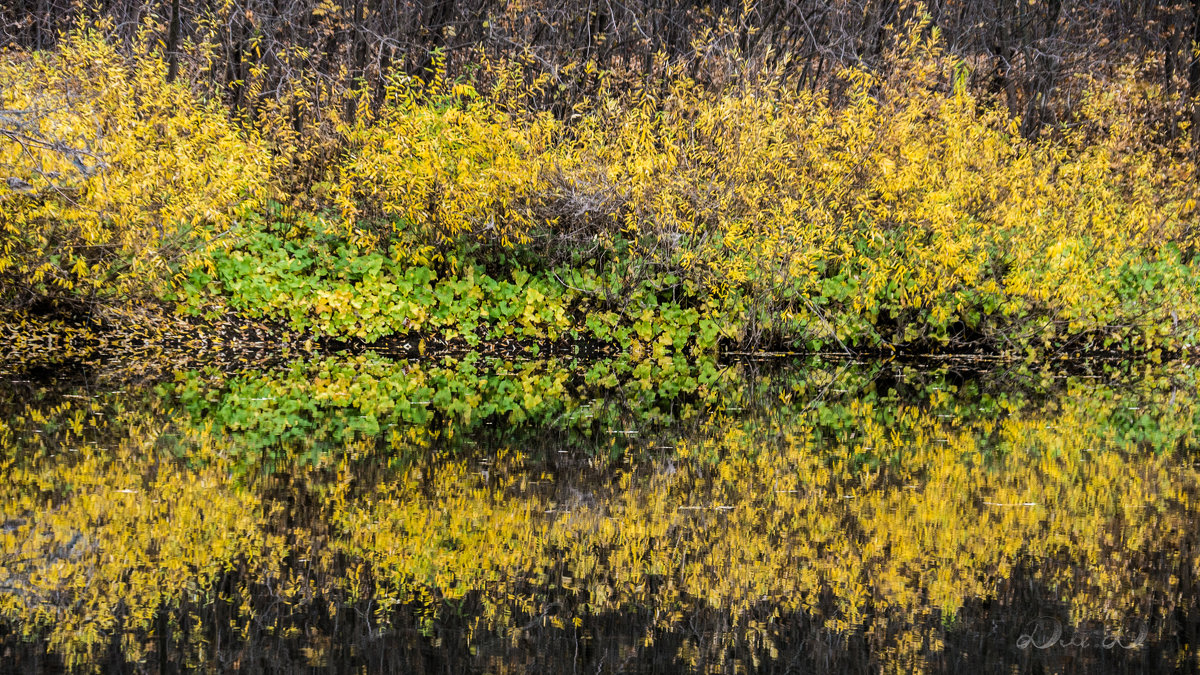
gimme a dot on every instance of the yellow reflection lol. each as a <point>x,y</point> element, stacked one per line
<point>869,513</point>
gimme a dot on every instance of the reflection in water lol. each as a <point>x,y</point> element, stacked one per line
<point>511,517</point>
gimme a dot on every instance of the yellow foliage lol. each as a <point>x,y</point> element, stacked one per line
<point>922,196</point>
<point>903,201</point>
<point>124,177</point>
<point>441,160</point>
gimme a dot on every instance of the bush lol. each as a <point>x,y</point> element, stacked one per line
<point>442,162</point>
<point>115,179</point>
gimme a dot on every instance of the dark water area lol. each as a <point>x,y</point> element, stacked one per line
<point>359,513</point>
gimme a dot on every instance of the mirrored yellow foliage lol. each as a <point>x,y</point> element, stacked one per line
<point>102,529</point>
<point>875,503</point>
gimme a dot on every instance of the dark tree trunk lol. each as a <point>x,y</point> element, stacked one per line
<point>173,43</point>
<point>1044,76</point>
<point>1194,76</point>
<point>235,69</point>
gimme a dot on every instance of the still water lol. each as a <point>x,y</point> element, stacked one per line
<point>359,513</point>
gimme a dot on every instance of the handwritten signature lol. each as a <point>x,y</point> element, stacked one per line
<point>1045,633</point>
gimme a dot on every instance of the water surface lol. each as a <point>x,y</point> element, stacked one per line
<point>355,513</point>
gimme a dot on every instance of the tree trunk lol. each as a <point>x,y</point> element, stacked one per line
<point>173,43</point>
<point>1194,77</point>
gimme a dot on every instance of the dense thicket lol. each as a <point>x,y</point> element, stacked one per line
<point>1035,56</point>
<point>842,175</point>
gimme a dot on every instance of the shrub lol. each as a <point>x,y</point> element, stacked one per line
<point>443,162</point>
<point>115,179</point>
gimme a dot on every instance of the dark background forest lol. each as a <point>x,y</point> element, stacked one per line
<point>1030,55</point>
